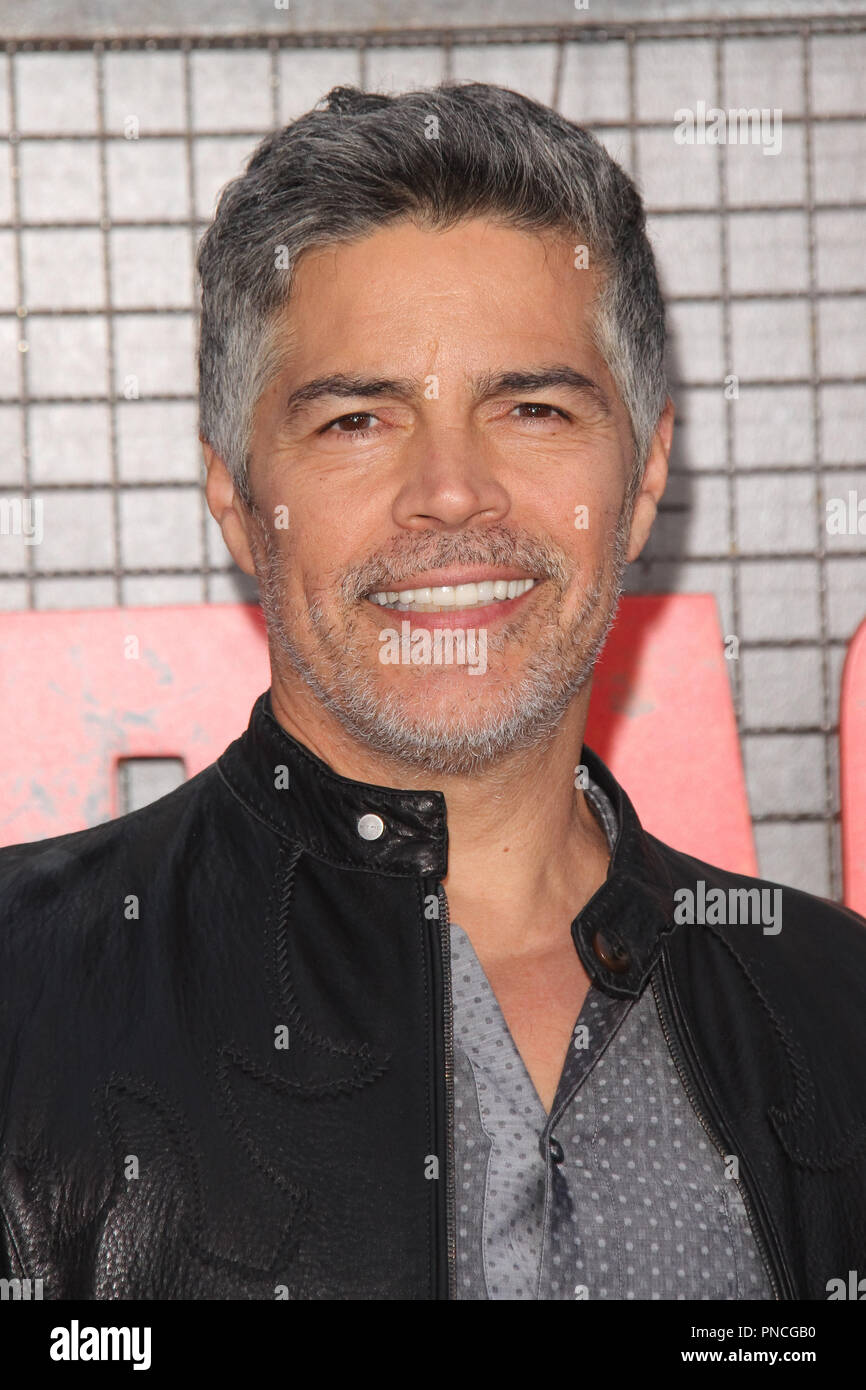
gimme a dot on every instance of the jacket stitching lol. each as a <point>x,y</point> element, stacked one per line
<point>803,1103</point>
<point>247,1064</point>
<point>286,993</point>
<point>185,1155</point>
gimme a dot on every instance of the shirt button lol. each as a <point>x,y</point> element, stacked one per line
<point>611,954</point>
<point>370,827</point>
<point>556,1151</point>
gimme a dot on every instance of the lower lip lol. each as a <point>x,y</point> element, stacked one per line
<point>485,615</point>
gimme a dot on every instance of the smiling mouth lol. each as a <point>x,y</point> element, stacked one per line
<point>452,598</point>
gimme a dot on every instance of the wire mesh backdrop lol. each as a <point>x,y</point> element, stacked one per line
<point>112,154</point>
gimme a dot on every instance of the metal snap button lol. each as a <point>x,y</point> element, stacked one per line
<point>371,827</point>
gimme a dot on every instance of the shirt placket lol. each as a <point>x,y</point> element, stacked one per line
<point>599,1021</point>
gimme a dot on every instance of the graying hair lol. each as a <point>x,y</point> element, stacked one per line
<point>436,156</point>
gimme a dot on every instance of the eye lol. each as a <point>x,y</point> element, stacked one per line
<point>354,417</point>
<point>540,406</point>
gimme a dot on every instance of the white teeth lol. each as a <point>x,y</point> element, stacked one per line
<point>441,597</point>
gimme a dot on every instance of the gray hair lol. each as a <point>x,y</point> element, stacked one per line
<point>436,156</point>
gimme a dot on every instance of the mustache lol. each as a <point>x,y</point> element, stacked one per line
<point>495,546</point>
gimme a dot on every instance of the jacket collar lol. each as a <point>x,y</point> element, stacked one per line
<point>300,797</point>
<point>359,826</point>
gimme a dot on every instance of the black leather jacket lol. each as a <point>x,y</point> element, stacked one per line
<point>226,1042</point>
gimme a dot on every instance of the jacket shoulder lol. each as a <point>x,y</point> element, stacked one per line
<point>36,872</point>
<point>776,917</point>
<point>67,901</point>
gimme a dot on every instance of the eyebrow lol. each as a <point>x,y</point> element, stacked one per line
<point>484,387</point>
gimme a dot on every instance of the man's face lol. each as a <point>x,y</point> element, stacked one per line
<point>426,468</point>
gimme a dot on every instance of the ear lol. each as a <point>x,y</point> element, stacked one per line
<point>228,510</point>
<point>652,486</point>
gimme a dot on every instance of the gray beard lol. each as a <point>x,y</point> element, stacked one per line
<point>524,715</point>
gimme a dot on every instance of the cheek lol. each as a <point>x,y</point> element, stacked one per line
<point>590,485</point>
<point>585,525</point>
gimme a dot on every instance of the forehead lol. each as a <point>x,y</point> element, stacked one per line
<point>478,276</point>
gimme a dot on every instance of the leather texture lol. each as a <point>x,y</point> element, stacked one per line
<point>159,1139</point>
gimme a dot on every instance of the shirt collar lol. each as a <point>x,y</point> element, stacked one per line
<point>361,826</point>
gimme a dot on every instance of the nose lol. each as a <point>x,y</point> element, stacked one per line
<point>450,481</point>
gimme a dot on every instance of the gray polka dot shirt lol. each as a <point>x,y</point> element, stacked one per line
<point>618,1193</point>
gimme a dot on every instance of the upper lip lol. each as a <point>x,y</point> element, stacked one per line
<point>438,579</point>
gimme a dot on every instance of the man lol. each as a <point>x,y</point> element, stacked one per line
<point>408,1008</point>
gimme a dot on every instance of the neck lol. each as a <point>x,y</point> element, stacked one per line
<point>525,851</point>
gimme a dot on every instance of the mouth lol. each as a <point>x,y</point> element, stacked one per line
<point>496,595</point>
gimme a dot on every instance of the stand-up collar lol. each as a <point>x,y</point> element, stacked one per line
<point>356,825</point>
<point>351,824</point>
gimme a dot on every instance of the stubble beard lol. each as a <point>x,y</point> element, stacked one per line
<point>450,739</point>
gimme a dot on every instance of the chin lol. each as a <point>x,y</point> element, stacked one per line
<point>459,738</point>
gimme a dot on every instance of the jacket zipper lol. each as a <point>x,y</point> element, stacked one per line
<point>685,1078</point>
<point>442,929</point>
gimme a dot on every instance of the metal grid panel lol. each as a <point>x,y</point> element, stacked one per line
<point>97,238</point>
